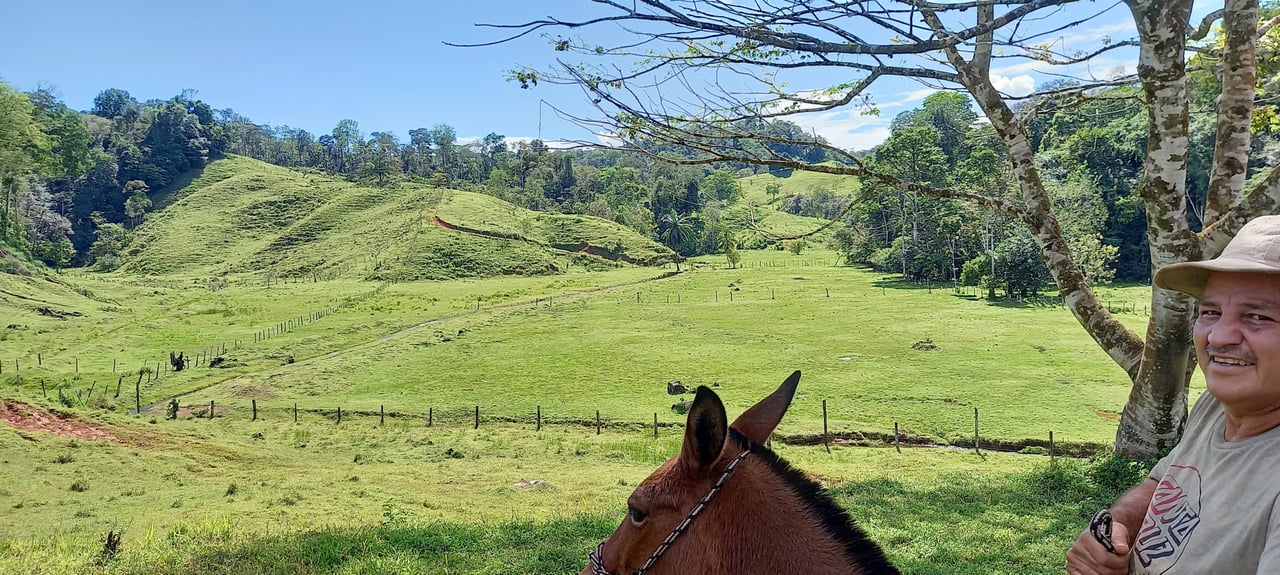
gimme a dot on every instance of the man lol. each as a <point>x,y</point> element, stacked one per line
<point>1213,504</point>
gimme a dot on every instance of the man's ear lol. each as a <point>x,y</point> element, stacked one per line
<point>759,422</point>
<point>704,431</point>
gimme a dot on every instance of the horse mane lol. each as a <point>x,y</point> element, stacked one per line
<point>860,550</point>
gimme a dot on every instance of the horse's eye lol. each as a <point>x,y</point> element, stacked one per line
<point>637,516</point>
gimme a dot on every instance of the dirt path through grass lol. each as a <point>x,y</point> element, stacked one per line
<point>24,417</point>
<point>568,296</point>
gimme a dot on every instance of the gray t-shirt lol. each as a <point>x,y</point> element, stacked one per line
<point>1216,508</point>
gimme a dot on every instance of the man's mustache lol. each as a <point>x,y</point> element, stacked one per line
<point>1236,351</point>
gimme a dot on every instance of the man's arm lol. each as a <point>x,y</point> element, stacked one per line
<point>1089,557</point>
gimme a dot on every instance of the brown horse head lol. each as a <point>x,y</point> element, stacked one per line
<point>728,504</point>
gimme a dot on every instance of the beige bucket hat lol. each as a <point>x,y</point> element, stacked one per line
<point>1255,249</point>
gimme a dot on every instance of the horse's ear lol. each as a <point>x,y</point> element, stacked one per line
<point>759,422</point>
<point>704,432</point>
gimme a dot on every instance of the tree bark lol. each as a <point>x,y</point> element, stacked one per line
<point>1155,415</point>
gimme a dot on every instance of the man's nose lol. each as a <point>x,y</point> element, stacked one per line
<point>1225,331</point>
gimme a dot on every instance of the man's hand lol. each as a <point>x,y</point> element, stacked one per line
<point>1089,557</point>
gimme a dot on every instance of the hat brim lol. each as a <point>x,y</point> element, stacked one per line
<point>1191,277</point>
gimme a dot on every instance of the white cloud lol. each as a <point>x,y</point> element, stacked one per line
<point>513,141</point>
<point>609,140</point>
<point>846,129</point>
<point>1014,86</point>
<point>1090,38</point>
<point>911,97</point>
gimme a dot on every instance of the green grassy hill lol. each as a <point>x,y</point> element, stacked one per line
<point>796,182</point>
<point>493,217</point>
<point>245,216</point>
<point>766,213</point>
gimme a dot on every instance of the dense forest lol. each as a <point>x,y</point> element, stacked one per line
<point>76,183</point>
<point>1090,155</point>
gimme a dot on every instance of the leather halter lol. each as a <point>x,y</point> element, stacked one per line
<point>595,557</point>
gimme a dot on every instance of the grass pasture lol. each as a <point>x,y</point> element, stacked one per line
<point>570,232</point>
<point>231,495</point>
<point>259,497</point>
<point>1029,369</point>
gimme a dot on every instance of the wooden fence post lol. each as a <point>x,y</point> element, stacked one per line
<point>339,416</point>
<point>40,361</point>
<point>826,437</point>
<point>255,409</point>
<point>477,417</point>
<point>42,390</point>
<point>113,365</point>
<point>597,422</point>
<point>137,396</point>
<point>382,415</point>
<point>1051,455</point>
<point>431,411</point>
<point>896,443</point>
<point>655,425</point>
<point>211,410</point>
<point>539,419</point>
<point>976,449</point>
<point>295,412</point>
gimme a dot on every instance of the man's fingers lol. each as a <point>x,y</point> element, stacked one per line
<point>1120,538</point>
<point>1089,557</point>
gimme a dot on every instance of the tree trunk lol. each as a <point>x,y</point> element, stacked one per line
<point>1154,417</point>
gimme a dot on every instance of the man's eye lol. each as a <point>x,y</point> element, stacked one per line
<point>1208,312</point>
<point>637,516</point>
<point>1259,317</point>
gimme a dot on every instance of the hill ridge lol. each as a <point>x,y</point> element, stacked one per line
<point>244,216</point>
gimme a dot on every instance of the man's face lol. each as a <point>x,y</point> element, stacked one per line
<point>1237,336</point>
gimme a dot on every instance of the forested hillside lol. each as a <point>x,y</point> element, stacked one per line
<point>78,184</point>
<point>1090,157</point>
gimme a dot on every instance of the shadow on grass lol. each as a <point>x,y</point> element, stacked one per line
<point>969,293</point>
<point>970,524</point>
<point>549,547</point>
<point>957,524</point>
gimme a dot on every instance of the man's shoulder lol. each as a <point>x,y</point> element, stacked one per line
<point>1207,407</point>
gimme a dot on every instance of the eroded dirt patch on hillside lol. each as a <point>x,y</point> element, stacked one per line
<point>27,418</point>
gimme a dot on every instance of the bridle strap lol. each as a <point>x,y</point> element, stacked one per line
<point>595,558</point>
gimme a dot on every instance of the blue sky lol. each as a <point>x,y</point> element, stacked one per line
<point>381,63</point>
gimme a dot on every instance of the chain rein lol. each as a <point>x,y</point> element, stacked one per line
<point>597,563</point>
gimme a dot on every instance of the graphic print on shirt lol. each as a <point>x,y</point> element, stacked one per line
<point>1171,519</point>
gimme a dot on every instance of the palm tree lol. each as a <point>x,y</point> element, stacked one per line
<point>673,229</point>
<point>728,245</point>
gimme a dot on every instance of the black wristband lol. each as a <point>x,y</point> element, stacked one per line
<point>1100,527</point>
